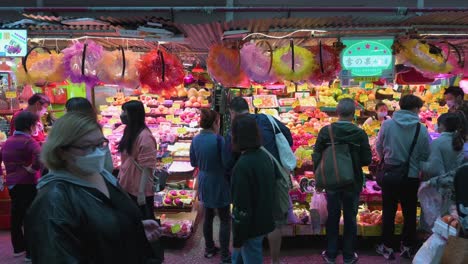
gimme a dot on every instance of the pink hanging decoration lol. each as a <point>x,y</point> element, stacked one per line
<point>79,69</point>
<point>257,64</point>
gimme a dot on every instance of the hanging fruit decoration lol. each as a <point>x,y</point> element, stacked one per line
<point>257,63</point>
<point>161,72</point>
<point>424,56</point>
<point>328,64</point>
<point>293,63</point>
<point>224,65</point>
<point>81,62</point>
<point>119,67</point>
<point>455,59</point>
<point>38,67</point>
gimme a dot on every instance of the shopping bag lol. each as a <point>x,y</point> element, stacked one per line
<point>286,155</point>
<point>456,251</point>
<point>431,204</point>
<point>319,203</point>
<point>431,251</point>
<point>335,169</point>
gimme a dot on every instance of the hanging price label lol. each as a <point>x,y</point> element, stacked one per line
<point>358,112</point>
<point>176,120</point>
<point>205,102</point>
<point>303,117</point>
<point>303,87</point>
<point>291,88</point>
<point>257,102</point>
<point>167,160</point>
<point>295,104</point>
<point>10,94</point>
<point>369,86</point>
<point>311,142</point>
<point>170,117</point>
<point>176,106</point>
<point>109,99</point>
<point>176,228</point>
<point>309,130</point>
<point>181,130</point>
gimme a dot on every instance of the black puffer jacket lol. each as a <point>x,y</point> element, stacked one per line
<point>72,222</point>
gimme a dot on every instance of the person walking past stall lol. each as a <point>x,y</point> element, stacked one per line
<point>20,154</point>
<point>81,214</point>
<point>82,105</point>
<point>214,189</point>
<point>252,192</point>
<point>347,196</point>
<point>402,145</point>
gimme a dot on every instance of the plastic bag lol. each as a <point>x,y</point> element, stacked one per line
<point>431,204</point>
<point>431,251</point>
<point>319,203</point>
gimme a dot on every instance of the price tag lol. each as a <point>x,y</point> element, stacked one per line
<point>181,130</point>
<point>309,130</point>
<point>369,86</point>
<point>209,86</point>
<point>193,124</point>
<point>291,88</point>
<point>109,99</point>
<point>167,160</point>
<point>133,98</point>
<point>176,106</point>
<point>10,94</point>
<point>303,87</point>
<point>205,102</point>
<point>257,102</point>
<point>295,104</point>
<point>311,142</point>
<point>366,79</point>
<point>176,120</point>
<point>103,107</point>
<point>161,99</point>
<point>358,112</point>
<point>176,228</point>
<point>303,117</point>
<point>170,117</point>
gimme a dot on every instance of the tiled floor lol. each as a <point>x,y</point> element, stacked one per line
<point>296,250</point>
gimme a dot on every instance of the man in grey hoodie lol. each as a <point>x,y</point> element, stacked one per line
<point>393,146</point>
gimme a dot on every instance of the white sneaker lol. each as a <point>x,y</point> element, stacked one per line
<point>27,260</point>
<point>19,254</point>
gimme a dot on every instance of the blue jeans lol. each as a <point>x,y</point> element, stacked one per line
<point>349,201</point>
<point>249,253</point>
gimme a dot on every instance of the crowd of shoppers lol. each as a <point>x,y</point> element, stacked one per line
<point>97,218</point>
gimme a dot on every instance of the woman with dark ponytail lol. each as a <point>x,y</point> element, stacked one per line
<point>447,150</point>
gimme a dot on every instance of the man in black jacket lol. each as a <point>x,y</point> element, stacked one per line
<point>344,132</point>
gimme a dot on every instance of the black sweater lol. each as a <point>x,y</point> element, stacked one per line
<point>253,185</point>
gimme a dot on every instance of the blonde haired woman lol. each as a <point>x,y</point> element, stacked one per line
<point>81,215</point>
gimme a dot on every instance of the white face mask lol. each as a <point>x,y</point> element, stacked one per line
<point>382,114</point>
<point>91,163</point>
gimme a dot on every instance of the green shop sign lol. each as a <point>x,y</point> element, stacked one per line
<point>367,57</point>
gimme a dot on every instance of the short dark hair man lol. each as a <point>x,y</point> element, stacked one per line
<point>344,132</point>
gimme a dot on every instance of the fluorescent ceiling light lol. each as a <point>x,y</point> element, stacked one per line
<point>443,34</point>
<point>158,31</point>
<point>311,31</point>
<point>166,40</point>
<point>84,22</point>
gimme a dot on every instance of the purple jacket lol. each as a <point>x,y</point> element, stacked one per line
<point>21,150</point>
